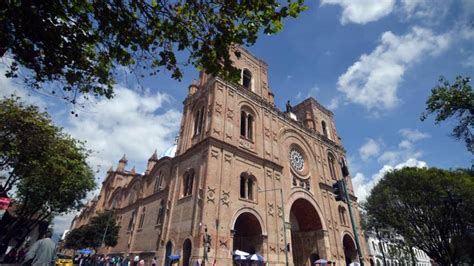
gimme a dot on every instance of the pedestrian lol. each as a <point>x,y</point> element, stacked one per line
<point>153,261</point>
<point>42,252</point>
<point>136,260</point>
<point>142,262</point>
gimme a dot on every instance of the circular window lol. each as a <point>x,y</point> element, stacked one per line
<point>296,160</point>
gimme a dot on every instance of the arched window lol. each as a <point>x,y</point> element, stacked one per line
<point>246,125</point>
<point>142,218</point>
<point>332,169</point>
<point>325,129</point>
<point>133,194</point>
<point>161,213</point>
<point>247,185</point>
<point>131,222</point>
<point>188,183</point>
<point>342,215</point>
<point>198,121</point>
<point>247,79</point>
<point>159,182</point>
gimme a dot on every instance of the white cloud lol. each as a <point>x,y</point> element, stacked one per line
<point>363,185</point>
<point>406,148</point>
<point>413,135</point>
<point>298,95</point>
<point>362,11</point>
<point>429,11</point>
<point>369,149</point>
<point>373,80</point>
<point>14,87</point>
<point>131,123</point>
<point>313,91</point>
<point>62,223</point>
<point>333,104</point>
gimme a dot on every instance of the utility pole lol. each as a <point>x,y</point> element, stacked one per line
<point>340,194</point>
<point>354,225</point>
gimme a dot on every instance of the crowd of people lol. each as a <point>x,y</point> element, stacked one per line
<point>102,260</point>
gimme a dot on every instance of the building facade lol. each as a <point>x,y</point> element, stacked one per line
<point>391,248</point>
<point>218,189</point>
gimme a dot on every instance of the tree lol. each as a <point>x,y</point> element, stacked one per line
<point>433,209</point>
<point>45,167</point>
<point>80,44</point>
<point>454,101</point>
<point>102,229</point>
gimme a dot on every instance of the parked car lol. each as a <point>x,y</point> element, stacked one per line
<point>63,260</point>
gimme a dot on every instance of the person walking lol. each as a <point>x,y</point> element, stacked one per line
<point>42,252</point>
<point>153,261</point>
<point>136,260</point>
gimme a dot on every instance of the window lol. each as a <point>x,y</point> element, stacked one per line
<point>132,221</point>
<point>332,169</point>
<point>246,125</point>
<point>198,121</point>
<point>133,195</point>
<point>158,182</point>
<point>342,216</point>
<point>188,183</point>
<point>247,79</point>
<point>142,218</point>
<point>247,187</point>
<point>325,129</point>
<point>161,212</point>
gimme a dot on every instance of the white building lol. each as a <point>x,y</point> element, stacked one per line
<point>391,247</point>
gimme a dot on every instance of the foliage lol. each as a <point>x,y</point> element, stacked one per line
<point>432,209</point>
<point>454,101</point>
<point>46,168</point>
<point>92,234</point>
<point>82,43</point>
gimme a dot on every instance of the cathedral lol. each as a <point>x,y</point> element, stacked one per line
<point>243,175</point>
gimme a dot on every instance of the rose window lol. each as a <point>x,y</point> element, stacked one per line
<point>296,160</point>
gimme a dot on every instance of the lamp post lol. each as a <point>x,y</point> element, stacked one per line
<point>282,220</point>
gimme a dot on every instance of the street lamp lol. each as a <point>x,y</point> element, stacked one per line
<point>282,219</point>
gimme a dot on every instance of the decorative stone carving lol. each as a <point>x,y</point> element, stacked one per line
<point>215,153</point>
<point>220,86</point>
<point>228,136</point>
<point>225,199</point>
<point>211,194</point>
<point>230,113</point>
<point>246,144</point>
<point>267,132</point>
<point>280,211</point>
<point>228,157</point>
<point>270,209</point>
<point>272,248</point>
<point>223,243</point>
<point>216,131</point>
<point>218,108</point>
<point>277,176</point>
<point>269,173</point>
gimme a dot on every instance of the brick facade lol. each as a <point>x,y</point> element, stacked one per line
<point>232,156</point>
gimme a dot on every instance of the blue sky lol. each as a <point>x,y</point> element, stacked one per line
<point>373,63</point>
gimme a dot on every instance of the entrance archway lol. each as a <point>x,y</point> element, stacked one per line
<point>186,252</point>
<point>350,251</point>
<point>169,249</point>
<point>307,237</point>
<point>248,234</point>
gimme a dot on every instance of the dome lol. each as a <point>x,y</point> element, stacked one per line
<point>170,152</point>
